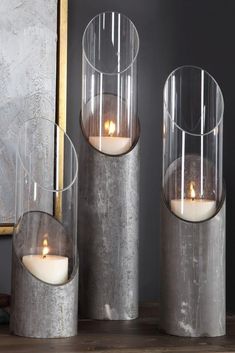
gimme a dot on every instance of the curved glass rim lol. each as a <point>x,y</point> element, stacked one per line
<point>137,50</point>
<point>212,78</point>
<point>32,176</point>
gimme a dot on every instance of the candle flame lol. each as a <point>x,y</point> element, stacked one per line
<point>164,130</point>
<point>110,127</point>
<point>215,130</point>
<point>45,249</point>
<point>192,190</point>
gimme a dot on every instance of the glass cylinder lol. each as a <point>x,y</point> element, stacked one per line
<point>109,83</point>
<point>192,144</point>
<point>46,201</point>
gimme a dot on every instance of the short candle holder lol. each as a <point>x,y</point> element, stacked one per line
<point>109,173</point>
<point>193,206</point>
<point>44,252</point>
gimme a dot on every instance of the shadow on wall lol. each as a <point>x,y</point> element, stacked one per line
<point>5,264</point>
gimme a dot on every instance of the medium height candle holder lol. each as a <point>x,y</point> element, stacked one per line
<point>109,173</point>
<point>193,206</point>
<point>44,253</point>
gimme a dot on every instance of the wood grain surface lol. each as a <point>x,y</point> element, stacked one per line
<point>141,335</point>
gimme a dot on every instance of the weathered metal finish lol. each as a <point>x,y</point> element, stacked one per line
<point>39,309</point>
<point>192,275</point>
<point>42,310</point>
<point>108,233</point>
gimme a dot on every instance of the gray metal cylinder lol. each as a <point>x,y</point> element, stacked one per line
<point>192,275</point>
<point>108,233</point>
<point>39,309</point>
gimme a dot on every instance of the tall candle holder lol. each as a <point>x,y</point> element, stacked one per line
<point>193,206</point>
<point>44,252</point>
<point>109,173</point>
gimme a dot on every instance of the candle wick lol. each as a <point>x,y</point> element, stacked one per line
<point>44,256</point>
<point>192,198</point>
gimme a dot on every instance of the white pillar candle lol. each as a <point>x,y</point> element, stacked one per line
<point>51,269</point>
<point>193,210</point>
<point>111,145</point>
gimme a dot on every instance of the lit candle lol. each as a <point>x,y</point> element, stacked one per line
<point>48,268</point>
<point>110,144</point>
<point>192,209</point>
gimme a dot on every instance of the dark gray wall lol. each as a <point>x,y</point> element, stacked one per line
<point>172,33</point>
<point>5,264</point>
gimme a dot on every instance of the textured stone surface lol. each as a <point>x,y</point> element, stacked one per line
<point>39,309</point>
<point>28,32</point>
<point>192,275</point>
<point>108,233</point>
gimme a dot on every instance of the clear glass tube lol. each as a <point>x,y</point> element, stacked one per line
<point>192,144</point>
<point>109,83</point>
<point>46,201</point>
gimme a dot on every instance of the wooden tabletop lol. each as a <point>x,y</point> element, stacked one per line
<point>141,335</point>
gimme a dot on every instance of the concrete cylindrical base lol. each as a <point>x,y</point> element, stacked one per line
<point>39,309</point>
<point>108,233</point>
<point>193,275</point>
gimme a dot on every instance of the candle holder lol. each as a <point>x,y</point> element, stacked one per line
<point>109,176</point>
<point>193,206</point>
<point>44,252</point>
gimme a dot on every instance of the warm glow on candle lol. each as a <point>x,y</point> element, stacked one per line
<point>45,250</point>
<point>48,268</point>
<point>109,142</point>
<point>192,191</point>
<point>110,127</point>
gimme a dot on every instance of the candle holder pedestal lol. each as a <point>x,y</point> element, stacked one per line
<point>109,173</point>
<point>193,206</point>
<point>49,311</point>
<point>108,233</point>
<point>44,250</point>
<point>193,275</point>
